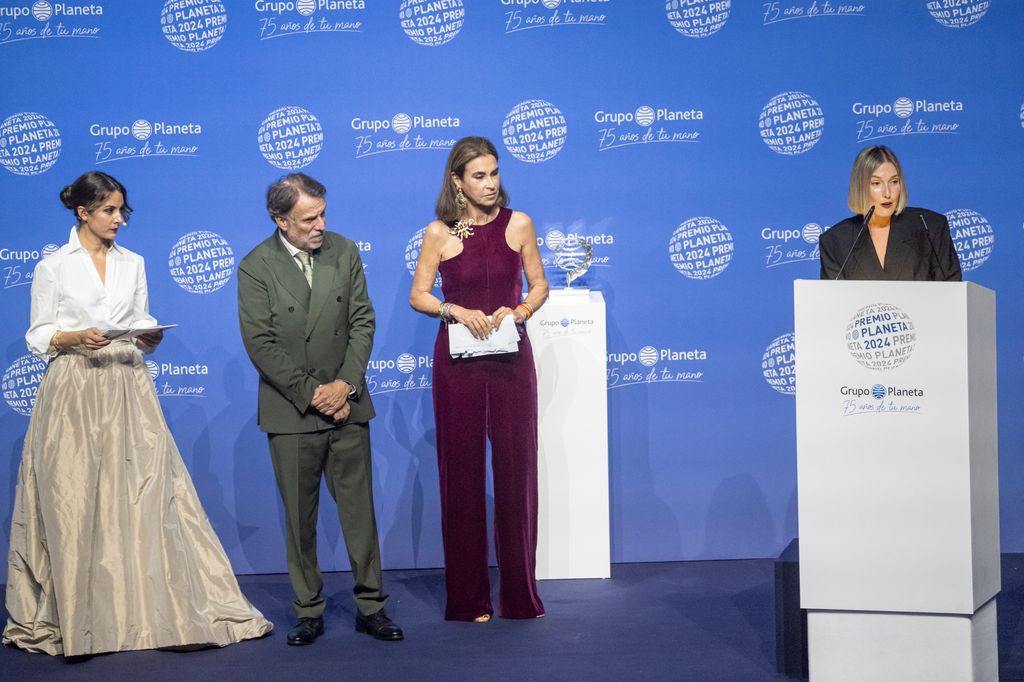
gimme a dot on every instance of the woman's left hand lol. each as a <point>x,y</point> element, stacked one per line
<point>500,313</point>
<point>152,339</point>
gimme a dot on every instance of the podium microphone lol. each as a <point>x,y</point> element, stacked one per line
<point>928,236</point>
<point>863,224</point>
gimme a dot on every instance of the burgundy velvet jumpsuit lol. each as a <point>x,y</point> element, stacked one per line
<point>475,399</point>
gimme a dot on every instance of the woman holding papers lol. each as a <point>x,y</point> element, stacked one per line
<point>110,549</point>
<point>901,243</point>
<point>485,385</point>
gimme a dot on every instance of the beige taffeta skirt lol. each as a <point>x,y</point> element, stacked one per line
<point>110,548</point>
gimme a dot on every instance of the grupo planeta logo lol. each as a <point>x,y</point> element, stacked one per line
<point>290,138</point>
<point>778,364</point>
<point>697,18</point>
<point>701,248</point>
<point>21,382</point>
<point>653,365</point>
<point>404,132</point>
<point>281,18</point>
<point>201,262</point>
<point>193,25</point>
<point>880,336</point>
<point>788,245</point>
<point>958,13</point>
<point>29,143</point>
<point>534,131</point>
<point>43,20</point>
<point>17,265</point>
<point>905,116</point>
<point>791,123</point>
<point>431,22</point>
<point>972,236</point>
<point>406,372</point>
<point>880,399</point>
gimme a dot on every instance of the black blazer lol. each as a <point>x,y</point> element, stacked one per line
<point>909,255</point>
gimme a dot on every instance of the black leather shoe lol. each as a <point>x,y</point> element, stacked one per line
<point>379,625</point>
<point>306,631</point>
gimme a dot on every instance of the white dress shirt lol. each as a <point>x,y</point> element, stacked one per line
<point>67,294</point>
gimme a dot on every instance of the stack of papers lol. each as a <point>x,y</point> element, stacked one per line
<point>462,343</point>
<point>115,334</point>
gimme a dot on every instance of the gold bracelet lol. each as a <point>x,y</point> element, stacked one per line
<point>54,348</point>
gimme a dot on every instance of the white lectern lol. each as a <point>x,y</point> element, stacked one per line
<point>570,351</point>
<point>897,479</point>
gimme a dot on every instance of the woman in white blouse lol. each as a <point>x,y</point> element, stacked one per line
<point>110,548</point>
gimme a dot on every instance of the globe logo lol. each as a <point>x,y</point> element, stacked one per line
<point>534,131</point>
<point>551,4</point>
<point>903,107</point>
<point>644,116</point>
<point>20,383</point>
<point>564,322</point>
<point>50,249</point>
<point>42,10</point>
<point>412,254</point>
<point>554,240</point>
<point>648,356</point>
<point>697,18</point>
<point>880,336</point>
<point>973,237</point>
<point>33,159</point>
<point>878,391</point>
<point>179,26</point>
<point>401,123</point>
<point>406,363</point>
<point>431,23</point>
<point>142,129</point>
<point>701,248</point>
<point>811,233</point>
<point>305,7</point>
<point>153,369</point>
<point>290,138</point>
<point>791,123</point>
<point>967,12</point>
<point>201,262</point>
<point>778,364</point>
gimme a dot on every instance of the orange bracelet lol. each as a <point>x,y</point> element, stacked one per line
<point>526,311</point>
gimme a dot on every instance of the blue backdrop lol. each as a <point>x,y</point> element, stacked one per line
<point>700,146</point>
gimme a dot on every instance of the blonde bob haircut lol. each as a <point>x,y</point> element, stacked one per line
<point>465,150</point>
<point>864,166</point>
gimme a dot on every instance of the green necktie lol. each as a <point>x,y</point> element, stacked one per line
<point>307,267</point>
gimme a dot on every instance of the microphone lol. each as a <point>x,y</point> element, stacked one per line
<point>928,236</point>
<point>863,224</point>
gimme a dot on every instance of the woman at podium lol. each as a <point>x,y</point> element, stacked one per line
<point>481,249</point>
<point>110,548</point>
<point>887,239</point>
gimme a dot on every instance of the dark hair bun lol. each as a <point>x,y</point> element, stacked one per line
<point>65,197</point>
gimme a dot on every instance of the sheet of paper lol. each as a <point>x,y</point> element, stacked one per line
<point>462,343</point>
<point>115,334</point>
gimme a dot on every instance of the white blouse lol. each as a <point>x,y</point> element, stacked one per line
<point>67,294</point>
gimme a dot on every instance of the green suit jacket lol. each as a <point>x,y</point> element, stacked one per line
<point>300,338</point>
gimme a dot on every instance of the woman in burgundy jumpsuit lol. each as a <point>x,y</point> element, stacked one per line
<point>482,249</point>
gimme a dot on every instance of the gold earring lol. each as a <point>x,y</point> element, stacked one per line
<point>460,198</point>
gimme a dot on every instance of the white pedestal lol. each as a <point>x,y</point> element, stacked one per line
<point>897,478</point>
<point>570,350</point>
<point>858,646</point>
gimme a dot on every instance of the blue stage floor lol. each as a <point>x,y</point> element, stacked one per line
<point>707,620</point>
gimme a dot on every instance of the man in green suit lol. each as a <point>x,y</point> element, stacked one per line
<point>307,323</point>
